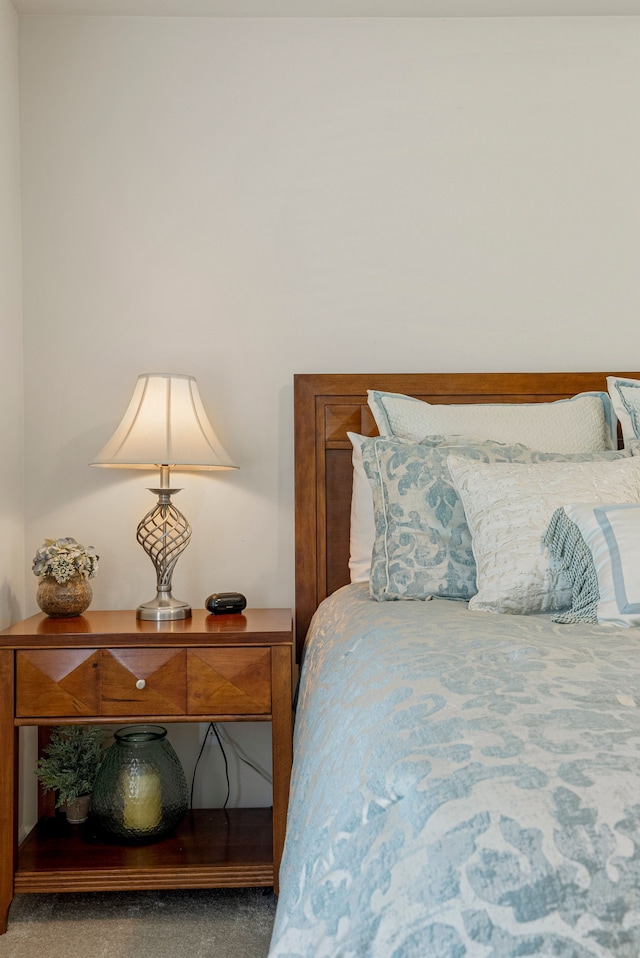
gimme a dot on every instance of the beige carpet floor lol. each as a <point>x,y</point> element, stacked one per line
<point>215,923</point>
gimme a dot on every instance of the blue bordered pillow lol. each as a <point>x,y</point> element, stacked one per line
<point>625,399</point>
<point>598,548</point>
<point>584,423</point>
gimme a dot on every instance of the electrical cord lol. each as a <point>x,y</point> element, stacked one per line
<point>211,728</point>
<point>195,767</point>
<point>242,755</point>
<point>226,764</point>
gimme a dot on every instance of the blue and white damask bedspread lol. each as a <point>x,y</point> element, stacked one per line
<point>464,784</point>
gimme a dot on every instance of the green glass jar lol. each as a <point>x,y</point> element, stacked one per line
<point>141,792</point>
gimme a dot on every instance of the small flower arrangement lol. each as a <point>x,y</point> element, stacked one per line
<point>64,558</point>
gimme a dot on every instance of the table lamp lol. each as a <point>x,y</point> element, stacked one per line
<point>166,426</point>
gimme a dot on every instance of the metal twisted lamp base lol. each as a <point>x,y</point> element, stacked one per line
<point>164,534</point>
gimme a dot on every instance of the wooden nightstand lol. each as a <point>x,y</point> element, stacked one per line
<point>88,670</point>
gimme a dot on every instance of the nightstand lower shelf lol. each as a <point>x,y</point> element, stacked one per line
<point>212,848</point>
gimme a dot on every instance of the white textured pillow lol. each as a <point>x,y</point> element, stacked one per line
<point>598,547</point>
<point>585,423</point>
<point>508,509</point>
<point>362,531</point>
<point>625,398</point>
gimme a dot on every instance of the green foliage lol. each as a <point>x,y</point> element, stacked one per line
<point>71,761</point>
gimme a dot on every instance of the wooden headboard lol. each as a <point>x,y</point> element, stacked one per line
<point>329,405</point>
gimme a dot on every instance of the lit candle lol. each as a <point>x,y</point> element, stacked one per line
<point>142,808</point>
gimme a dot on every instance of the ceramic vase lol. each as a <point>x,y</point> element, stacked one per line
<point>68,598</point>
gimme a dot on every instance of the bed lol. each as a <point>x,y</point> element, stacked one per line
<point>464,783</point>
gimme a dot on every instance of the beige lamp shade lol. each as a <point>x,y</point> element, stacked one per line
<point>165,424</point>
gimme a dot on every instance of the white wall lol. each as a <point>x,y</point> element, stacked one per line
<point>11,417</point>
<point>12,555</point>
<point>245,199</point>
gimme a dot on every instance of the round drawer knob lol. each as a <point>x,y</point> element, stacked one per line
<point>140,684</point>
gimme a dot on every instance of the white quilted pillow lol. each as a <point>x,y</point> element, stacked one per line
<point>585,423</point>
<point>508,509</point>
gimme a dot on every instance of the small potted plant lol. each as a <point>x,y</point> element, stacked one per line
<point>64,567</point>
<point>70,765</point>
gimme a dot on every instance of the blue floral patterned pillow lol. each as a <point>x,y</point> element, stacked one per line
<point>423,544</point>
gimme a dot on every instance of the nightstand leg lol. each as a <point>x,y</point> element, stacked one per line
<point>8,786</point>
<point>282,731</point>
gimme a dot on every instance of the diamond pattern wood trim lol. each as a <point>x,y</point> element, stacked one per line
<point>62,682</point>
<point>338,420</point>
<point>229,681</point>
<point>163,672</point>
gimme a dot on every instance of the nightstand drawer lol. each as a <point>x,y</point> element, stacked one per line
<point>112,682</point>
<point>64,682</point>
<point>229,681</point>
<point>72,682</point>
<point>143,682</point>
